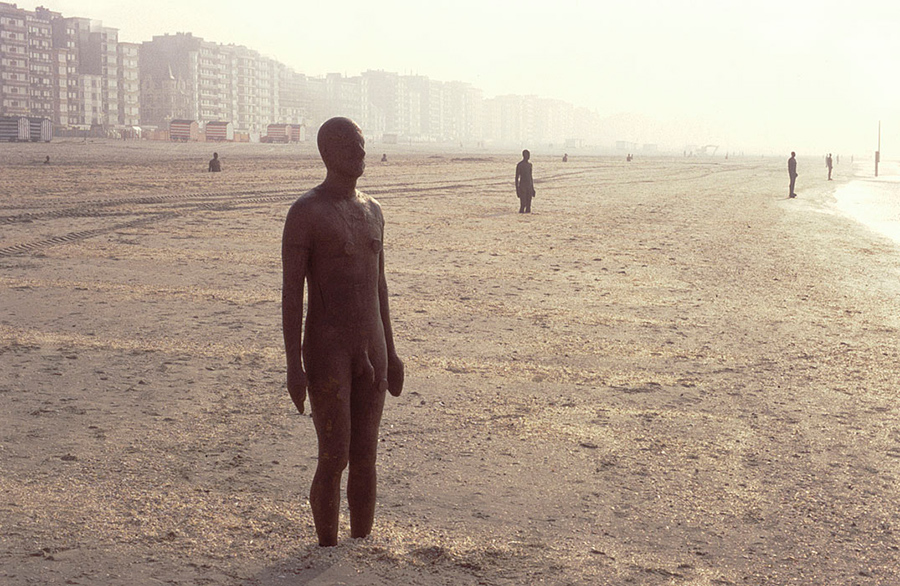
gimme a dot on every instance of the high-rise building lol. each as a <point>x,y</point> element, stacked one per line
<point>170,79</point>
<point>75,71</point>
<point>384,102</point>
<point>510,119</point>
<point>42,41</point>
<point>105,41</point>
<point>462,112</point>
<point>292,107</point>
<point>212,86</point>
<point>15,85</point>
<point>92,70</point>
<point>424,115</point>
<point>40,66</point>
<point>129,84</point>
<point>185,77</point>
<point>347,97</point>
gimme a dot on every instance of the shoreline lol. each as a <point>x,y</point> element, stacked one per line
<point>873,201</point>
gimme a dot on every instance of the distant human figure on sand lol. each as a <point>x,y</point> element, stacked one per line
<point>384,158</point>
<point>524,183</point>
<point>566,158</point>
<point>829,164</point>
<point>215,165</point>
<point>333,241</point>
<point>792,172</point>
<point>47,160</point>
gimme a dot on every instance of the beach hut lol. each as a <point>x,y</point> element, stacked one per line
<point>9,129</point>
<point>278,133</point>
<point>14,128</point>
<point>219,131</point>
<point>184,130</point>
<point>298,133</point>
<point>40,129</point>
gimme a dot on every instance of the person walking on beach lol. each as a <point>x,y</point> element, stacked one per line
<point>524,183</point>
<point>345,358</point>
<point>215,165</point>
<point>792,172</point>
<point>829,165</point>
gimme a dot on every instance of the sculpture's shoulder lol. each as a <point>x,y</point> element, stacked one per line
<point>305,214</point>
<point>370,204</point>
<point>309,203</point>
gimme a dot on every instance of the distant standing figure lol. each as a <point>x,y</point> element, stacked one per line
<point>343,355</point>
<point>524,183</point>
<point>47,160</point>
<point>566,158</point>
<point>215,165</point>
<point>829,165</point>
<point>384,158</point>
<point>792,172</point>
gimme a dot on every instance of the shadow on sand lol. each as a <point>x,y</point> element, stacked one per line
<point>366,563</point>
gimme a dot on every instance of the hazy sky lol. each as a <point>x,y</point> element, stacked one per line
<point>755,74</point>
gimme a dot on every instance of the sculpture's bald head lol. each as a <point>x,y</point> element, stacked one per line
<point>342,146</point>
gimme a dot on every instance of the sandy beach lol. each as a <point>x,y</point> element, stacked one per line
<point>669,373</point>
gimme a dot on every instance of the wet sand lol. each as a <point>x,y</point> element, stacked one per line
<point>667,374</point>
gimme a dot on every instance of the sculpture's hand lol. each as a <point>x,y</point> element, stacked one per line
<point>395,375</point>
<point>296,384</point>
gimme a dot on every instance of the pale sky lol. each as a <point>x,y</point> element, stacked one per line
<point>760,75</point>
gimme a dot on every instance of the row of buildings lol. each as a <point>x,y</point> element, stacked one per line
<point>77,73</point>
<point>73,71</point>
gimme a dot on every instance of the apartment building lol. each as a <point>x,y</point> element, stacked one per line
<point>186,77</point>
<point>346,96</point>
<point>39,35</point>
<point>292,107</point>
<point>76,72</point>
<point>170,79</point>
<point>385,94</point>
<point>128,84</point>
<point>463,112</point>
<point>15,84</point>
<point>255,83</point>
<point>68,110</point>
<point>417,108</point>
<point>424,114</point>
<point>213,87</point>
<point>92,65</point>
<point>510,119</point>
<point>104,42</point>
<point>163,98</point>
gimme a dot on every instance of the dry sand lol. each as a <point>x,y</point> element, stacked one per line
<point>667,374</point>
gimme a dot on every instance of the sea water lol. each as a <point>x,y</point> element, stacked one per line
<point>873,201</point>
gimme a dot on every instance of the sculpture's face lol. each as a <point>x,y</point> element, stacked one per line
<point>345,150</point>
